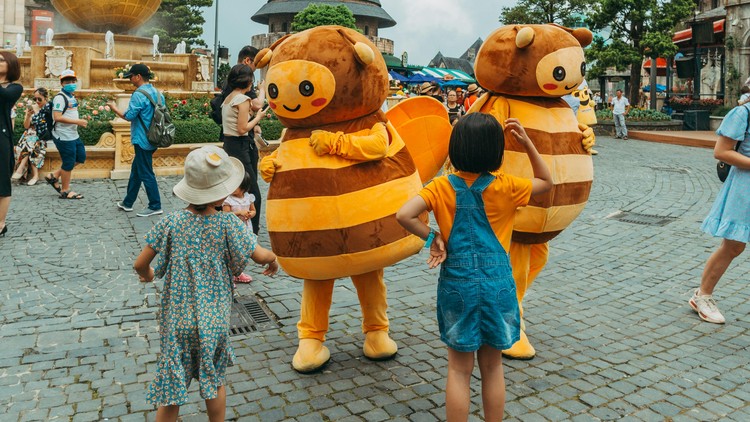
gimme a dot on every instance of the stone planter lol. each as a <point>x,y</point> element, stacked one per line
<point>124,84</point>
<point>715,122</point>
<point>607,127</point>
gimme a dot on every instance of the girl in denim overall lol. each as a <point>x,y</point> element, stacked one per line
<point>477,308</point>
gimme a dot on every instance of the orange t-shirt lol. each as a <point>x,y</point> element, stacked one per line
<point>501,199</point>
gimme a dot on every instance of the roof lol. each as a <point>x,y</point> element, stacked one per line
<point>441,61</point>
<point>687,34</point>
<point>441,73</point>
<point>371,9</point>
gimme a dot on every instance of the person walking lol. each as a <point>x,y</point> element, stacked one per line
<point>237,125</point>
<point>10,92</point>
<point>200,250</point>
<point>472,94</point>
<point>140,112</point>
<point>33,149</point>
<point>475,207</point>
<point>65,135</point>
<point>729,217</point>
<point>620,109</point>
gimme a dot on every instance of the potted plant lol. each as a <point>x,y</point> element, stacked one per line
<point>124,84</point>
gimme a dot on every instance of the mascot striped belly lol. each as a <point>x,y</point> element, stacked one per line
<point>330,217</point>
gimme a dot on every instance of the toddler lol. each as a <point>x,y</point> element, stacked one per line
<point>200,249</point>
<point>242,203</point>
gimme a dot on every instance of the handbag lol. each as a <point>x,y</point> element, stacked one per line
<point>722,168</point>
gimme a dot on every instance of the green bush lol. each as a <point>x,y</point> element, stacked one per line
<point>636,115</point>
<point>271,128</point>
<point>93,131</point>
<point>196,131</point>
<point>721,111</point>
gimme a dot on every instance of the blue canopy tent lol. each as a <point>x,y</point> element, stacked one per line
<point>659,88</point>
<point>397,76</point>
<point>453,83</point>
<point>418,78</point>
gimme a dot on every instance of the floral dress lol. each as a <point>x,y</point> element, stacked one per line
<point>30,145</point>
<point>198,255</point>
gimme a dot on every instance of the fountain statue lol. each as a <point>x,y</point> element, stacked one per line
<point>109,39</point>
<point>48,36</point>
<point>19,45</point>
<point>155,51</point>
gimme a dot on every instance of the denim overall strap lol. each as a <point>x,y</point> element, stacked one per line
<point>474,253</point>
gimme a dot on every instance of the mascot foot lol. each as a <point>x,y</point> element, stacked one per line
<point>521,350</point>
<point>311,356</point>
<point>378,346</point>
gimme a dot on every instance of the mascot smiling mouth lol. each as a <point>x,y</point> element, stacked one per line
<point>293,109</point>
<point>570,87</point>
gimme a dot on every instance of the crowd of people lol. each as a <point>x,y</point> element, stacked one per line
<point>221,189</point>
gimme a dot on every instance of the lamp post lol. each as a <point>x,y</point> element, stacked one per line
<point>696,59</point>
<point>216,44</point>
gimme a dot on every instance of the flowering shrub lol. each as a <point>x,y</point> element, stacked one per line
<point>121,71</point>
<point>687,103</point>
<point>636,115</point>
<point>188,108</point>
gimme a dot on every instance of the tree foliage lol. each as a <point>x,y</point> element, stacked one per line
<point>564,12</point>
<point>639,28</point>
<point>176,21</point>
<point>323,14</point>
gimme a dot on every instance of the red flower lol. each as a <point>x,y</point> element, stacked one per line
<point>184,102</point>
<point>176,104</point>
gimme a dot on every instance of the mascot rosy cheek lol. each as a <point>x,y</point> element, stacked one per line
<point>338,178</point>
<point>526,69</point>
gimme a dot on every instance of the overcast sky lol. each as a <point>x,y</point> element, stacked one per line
<point>423,27</point>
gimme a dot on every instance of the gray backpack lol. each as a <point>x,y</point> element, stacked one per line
<point>161,132</point>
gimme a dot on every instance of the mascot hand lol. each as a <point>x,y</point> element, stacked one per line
<point>588,137</point>
<point>322,141</point>
<point>267,167</point>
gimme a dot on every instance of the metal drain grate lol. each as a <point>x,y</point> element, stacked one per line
<point>642,219</point>
<point>249,315</point>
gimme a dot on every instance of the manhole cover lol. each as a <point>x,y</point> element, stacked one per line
<point>249,315</point>
<point>643,219</point>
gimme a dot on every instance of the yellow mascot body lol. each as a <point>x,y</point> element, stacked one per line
<point>338,178</point>
<point>526,70</point>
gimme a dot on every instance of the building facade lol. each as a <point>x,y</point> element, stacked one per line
<point>278,15</point>
<point>13,13</point>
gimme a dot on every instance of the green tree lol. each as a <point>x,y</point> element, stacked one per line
<point>176,21</point>
<point>564,12</point>
<point>323,14</point>
<point>639,28</point>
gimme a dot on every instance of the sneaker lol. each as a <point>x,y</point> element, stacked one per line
<point>243,278</point>
<point>624,138</point>
<point>122,206</point>
<point>705,306</point>
<point>148,212</point>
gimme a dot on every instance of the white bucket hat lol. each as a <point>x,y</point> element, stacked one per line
<point>210,175</point>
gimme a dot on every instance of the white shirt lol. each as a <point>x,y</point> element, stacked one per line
<point>65,131</point>
<point>618,106</point>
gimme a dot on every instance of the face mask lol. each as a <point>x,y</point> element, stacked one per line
<point>70,88</point>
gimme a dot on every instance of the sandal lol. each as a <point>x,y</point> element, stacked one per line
<point>52,180</point>
<point>70,195</point>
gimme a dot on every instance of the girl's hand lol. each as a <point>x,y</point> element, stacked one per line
<point>437,251</point>
<point>272,268</point>
<point>149,278</point>
<point>518,132</point>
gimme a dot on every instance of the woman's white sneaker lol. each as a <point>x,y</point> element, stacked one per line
<point>705,306</point>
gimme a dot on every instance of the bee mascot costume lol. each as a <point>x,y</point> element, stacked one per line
<point>341,173</point>
<point>526,69</point>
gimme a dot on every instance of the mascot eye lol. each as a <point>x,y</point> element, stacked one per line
<point>273,91</point>
<point>559,73</point>
<point>306,88</point>
<point>583,69</point>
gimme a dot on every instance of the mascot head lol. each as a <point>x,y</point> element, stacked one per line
<point>324,75</point>
<point>533,60</point>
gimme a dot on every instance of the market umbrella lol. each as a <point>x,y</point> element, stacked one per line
<point>453,83</point>
<point>659,88</point>
<point>418,78</point>
<point>397,76</point>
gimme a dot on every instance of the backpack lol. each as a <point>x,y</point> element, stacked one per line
<point>45,122</point>
<point>161,132</point>
<point>216,109</point>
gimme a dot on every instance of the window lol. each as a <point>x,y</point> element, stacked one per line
<point>367,30</point>
<point>273,28</point>
<point>284,27</point>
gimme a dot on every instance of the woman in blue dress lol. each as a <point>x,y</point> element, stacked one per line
<point>730,215</point>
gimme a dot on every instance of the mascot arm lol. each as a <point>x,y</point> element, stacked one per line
<point>365,145</point>
<point>268,166</point>
<point>588,137</point>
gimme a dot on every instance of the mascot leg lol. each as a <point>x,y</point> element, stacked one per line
<point>313,325</point>
<point>527,261</point>
<point>372,298</point>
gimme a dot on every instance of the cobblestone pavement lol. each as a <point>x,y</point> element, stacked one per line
<point>615,338</point>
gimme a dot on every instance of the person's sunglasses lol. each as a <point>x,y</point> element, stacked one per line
<point>39,100</point>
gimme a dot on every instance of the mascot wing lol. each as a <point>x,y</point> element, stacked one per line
<point>422,122</point>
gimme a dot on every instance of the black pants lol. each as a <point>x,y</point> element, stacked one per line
<point>243,148</point>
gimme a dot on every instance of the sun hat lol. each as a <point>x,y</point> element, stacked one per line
<point>210,175</point>
<point>472,88</point>
<point>137,69</point>
<point>68,73</point>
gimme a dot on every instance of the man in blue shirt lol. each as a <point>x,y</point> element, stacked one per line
<point>139,113</point>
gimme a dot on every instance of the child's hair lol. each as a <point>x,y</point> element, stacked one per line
<point>201,207</point>
<point>745,89</point>
<point>477,143</point>
<point>247,183</point>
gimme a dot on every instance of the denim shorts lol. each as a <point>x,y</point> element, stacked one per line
<point>71,153</point>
